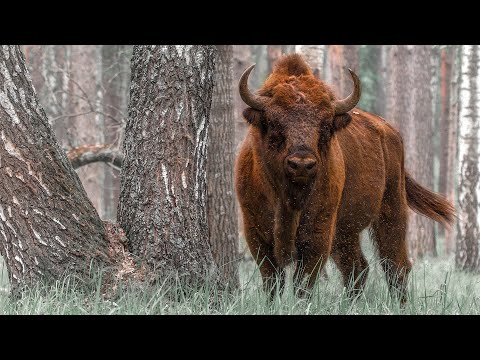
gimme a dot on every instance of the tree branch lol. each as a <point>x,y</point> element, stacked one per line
<point>87,154</point>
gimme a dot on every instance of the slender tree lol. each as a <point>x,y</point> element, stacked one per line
<point>163,180</point>
<point>467,244</point>
<point>418,140</point>
<point>451,172</point>
<point>48,225</point>
<point>242,58</point>
<point>315,56</point>
<point>221,206</point>
<point>409,108</point>
<point>399,85</point>
<point>115,88</point>
<point>339,59</point>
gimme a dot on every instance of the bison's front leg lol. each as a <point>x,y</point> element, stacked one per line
<point>273,276</point>
<point>314,242</point>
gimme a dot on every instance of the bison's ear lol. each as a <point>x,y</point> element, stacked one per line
<point>341,121</point>
<point>254,117</point>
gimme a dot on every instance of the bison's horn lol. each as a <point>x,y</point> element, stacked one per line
<point>347,104</point>
<point>255,101</point>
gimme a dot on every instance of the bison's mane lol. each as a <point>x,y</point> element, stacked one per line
<point>293,82</point>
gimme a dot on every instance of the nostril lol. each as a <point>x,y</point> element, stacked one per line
<point>292,164</point>
<point>310,165</point>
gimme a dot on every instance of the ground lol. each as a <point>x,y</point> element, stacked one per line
<point>435,288</point>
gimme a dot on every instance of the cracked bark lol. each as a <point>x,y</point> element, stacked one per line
<point>48,226</point>
<point>163,179</point>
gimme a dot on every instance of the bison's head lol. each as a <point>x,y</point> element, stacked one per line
<point>295,116</point>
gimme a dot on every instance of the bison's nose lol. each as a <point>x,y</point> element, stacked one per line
<point>299,166</point>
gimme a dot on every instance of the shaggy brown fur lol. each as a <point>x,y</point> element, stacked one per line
<point>356,179</point>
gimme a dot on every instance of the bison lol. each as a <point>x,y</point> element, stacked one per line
<point>313,171</point>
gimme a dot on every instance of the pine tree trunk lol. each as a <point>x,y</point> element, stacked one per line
<point>116,84</point>
<point>242,58</point>
<point>274,52</point>
<point>163,179</point>
<point>445,172</point>
<point>221,206</point>
<point>49,66</point>
<point>339,58</point>
<point>48,225</point>
<point>466,252</point>
<point>399,86</point>
<point>315,55</point>
<point>419,149</point>
<point>451,173</point>
<point>86,123</point>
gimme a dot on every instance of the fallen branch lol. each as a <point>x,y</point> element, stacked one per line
<point>87,154</point>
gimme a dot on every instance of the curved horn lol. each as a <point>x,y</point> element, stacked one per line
<point>347,104</point>
<point>255,101</point>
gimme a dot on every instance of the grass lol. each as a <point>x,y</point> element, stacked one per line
<point>435,287</point>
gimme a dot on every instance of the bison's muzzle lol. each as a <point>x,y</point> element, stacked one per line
<point>301,167</point>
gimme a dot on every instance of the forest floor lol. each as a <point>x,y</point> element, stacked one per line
<point>435,287</point>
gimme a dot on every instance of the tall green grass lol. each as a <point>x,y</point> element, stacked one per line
<point>434,288</point>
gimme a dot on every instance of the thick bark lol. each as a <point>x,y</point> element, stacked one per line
<point>221,206</point>
<point>48,225</point>
<point>419,150</point>
<point>451,173</point>
<point>339,59</point>
<point>467,240</point>
<point>163,179</point>
<point>315,55</point>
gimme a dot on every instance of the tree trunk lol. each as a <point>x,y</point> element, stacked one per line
<point>163,179</point>
<point>85,123</point>
<point>399,86</point>
<point>48,225</point>
<point>242,58</point>
<point>446,57</point>
<point>339,58</point>
<point>116,85</point>
<point>274,52</point>
<point>451,173</point>
<point>315,55</point>
<point>221,206</point>
<point>49,67</point>
<point>409,108</point>
<point>418,145</point>
<point>466,252</point>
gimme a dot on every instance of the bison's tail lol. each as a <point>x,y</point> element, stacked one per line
<point>428,203</point>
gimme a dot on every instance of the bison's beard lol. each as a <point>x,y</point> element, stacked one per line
<point>297,194</point>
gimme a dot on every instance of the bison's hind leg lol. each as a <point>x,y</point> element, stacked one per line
<point>349,259</point>
<point>389,235</point>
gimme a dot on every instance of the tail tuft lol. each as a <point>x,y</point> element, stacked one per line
<point>428,203</point>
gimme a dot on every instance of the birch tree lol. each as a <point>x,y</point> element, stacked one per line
<point>163,179</point>
<point>467,239</point>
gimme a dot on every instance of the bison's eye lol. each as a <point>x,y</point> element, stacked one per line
<point>276,139</point>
